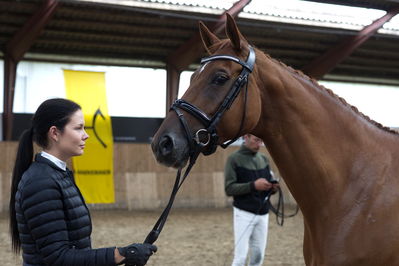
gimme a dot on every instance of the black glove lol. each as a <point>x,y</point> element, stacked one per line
<point>137,254</point>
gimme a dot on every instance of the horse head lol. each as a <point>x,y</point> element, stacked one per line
<point>330,155</point>
<point>221,103</point>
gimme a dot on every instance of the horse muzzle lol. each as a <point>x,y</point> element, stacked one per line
<point>171,150</point>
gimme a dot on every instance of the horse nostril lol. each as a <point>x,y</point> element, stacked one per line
<point>166,145</point>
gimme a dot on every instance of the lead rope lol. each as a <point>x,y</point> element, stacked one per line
<point>279,209</point>
<point>156,230</point>
<point>261,203</point>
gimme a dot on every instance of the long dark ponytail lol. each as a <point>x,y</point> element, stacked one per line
<point>53,112</point>
<point>22,162</point>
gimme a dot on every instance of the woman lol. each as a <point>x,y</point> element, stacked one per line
<point>48,217</point>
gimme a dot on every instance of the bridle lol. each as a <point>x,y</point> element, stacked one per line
<point>210,123</point>
<point>195,142</point>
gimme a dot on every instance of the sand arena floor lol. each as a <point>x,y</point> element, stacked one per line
<point>191,237</point>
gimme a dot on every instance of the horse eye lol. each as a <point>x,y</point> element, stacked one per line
<point>220,80</point>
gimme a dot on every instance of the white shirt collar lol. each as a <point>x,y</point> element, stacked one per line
<point>55,160</point>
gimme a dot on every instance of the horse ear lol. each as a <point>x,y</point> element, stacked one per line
<point>233,32</point>
<point>208,38</point>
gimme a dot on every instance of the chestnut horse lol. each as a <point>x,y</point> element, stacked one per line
<point>341,167</point>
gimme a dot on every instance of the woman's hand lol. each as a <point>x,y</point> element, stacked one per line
<point>136,254</point>
<point>118,257</point>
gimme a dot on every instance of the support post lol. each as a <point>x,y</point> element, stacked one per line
<point>15,49</point>
<point>172,80</point>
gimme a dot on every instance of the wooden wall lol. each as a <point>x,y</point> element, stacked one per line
<point>141,183</point>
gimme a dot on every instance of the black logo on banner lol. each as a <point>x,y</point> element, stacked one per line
<point>93,126</point>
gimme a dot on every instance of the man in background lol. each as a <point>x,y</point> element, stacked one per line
<point>249,180</point>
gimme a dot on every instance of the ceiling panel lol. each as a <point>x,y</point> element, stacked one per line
<point>92,33</point>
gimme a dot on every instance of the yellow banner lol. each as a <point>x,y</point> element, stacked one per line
<point>94,170</point>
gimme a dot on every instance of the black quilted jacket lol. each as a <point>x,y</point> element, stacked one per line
<point>53,221</point>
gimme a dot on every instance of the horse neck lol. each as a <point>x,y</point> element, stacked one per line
<point>312,136</point>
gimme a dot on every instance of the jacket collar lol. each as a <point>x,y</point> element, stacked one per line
<point>40,159</point>
<point>244,150</point>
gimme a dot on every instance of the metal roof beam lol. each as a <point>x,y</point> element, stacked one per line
<point>181,58</point>
<point>192,49</point>
<point>329,60</point>
<point>15,49</point>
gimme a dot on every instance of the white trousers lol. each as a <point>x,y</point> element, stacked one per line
<point>250,233</point>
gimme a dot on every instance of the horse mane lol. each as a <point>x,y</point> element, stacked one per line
<point>330,92</point>
<point>225,43</point>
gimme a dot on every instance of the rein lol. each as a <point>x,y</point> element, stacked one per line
<point>195,142</point>
<point>156,230</point>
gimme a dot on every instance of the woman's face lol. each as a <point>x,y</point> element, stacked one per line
<point>71,141</point>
